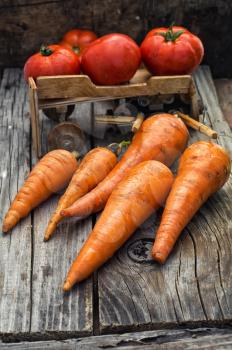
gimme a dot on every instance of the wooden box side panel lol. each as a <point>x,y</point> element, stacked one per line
<point>71,86</point>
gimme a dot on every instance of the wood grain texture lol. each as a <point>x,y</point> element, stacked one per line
<point>15,247</point>
<point>194,286</point>
<point>200,338</point>
<point>224,92</point>
<point>54,311</point>
<point>213,113</point>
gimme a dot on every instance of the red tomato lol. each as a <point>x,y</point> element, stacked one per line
<point>77,40</point>
<point>52,60</point>
<point>111,59</point>
<point>171,51</point>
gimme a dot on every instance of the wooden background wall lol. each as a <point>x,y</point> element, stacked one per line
<point>25,24</point>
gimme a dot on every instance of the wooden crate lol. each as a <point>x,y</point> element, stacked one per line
<point>55,91</point>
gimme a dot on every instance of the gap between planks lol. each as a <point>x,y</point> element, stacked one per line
<point>95,296</point>
<point>204,338</point>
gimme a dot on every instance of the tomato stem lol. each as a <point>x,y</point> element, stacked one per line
<point>45,51</point>
<point>170,35</point>
<point>76,49</point>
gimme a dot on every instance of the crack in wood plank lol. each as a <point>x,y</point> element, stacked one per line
<point>179,299</point>
<point>145,297</point>
<point>196,276</point>
<point>161,339</point>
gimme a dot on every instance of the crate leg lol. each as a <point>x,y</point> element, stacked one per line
<point>138,122</point>
<point>34,111</point>
<point>194,101</point>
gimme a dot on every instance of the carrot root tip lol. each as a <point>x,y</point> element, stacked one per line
<point>67,286</point>
<point>157,256</point>
<point>5,228</point>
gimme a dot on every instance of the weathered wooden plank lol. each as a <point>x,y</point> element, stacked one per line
<point>52,310</point>
<point>81,86</point>
<point>195,283</point>
<point>217,211</point>
<point>203,338</point>
<point>20,36</point>
<point>207,91</point>
<point>224,92</point>
<point>15,247</point>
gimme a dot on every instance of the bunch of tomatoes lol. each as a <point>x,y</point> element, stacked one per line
<point>114,58</point>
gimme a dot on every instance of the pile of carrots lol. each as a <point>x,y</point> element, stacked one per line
<point>128,191</point>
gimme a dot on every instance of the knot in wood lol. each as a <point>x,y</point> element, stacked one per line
<point>140,250</point>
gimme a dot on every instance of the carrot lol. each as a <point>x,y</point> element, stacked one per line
<point>204,168</point>
<point>49,175</point>
<point>94,167</point>
<point>136,197</point>
<point>161,137</point>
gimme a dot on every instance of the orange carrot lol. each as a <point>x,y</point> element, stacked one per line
<point>49,175</point>
<point>161,137</point>
<point>204,168</point>
<point>136,197</point>
<point>94,167</point>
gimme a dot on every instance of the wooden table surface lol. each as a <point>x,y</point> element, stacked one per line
<point>194,287</point>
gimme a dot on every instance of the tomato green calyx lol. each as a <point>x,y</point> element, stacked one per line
<point>76,49</point>
<point>170,35</point>
<point>45,51</point>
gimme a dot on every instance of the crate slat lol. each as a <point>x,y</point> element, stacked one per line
<point>71,86</point>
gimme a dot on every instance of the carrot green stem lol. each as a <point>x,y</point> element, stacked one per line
<point>124,143</point>
<point>117,147</point>
<point>76,154</point>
